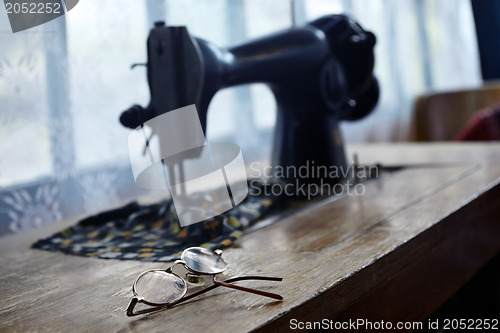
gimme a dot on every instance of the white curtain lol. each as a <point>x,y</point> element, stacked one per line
<point>64,84</point>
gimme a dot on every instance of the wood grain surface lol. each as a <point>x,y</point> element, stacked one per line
<point>394,254</point>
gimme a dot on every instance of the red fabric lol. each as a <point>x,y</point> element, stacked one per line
<point>483,126</point>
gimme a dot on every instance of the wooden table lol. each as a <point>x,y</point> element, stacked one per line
<point>394,254</point>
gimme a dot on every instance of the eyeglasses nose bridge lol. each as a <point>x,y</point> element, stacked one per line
<point>177,262</point>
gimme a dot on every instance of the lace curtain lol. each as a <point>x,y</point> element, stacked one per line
<point>64,84</point>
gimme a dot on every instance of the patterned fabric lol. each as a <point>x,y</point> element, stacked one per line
<point>152,232</point>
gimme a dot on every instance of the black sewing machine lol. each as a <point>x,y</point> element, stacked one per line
<point>320,74</point>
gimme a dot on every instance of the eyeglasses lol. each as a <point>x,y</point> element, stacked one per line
<point>164,288</point>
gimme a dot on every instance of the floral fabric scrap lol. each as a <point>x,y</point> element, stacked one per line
<point>152,232</point>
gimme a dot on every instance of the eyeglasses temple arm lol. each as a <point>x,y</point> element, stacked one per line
<point>131,305</point>
<point>253,291</point>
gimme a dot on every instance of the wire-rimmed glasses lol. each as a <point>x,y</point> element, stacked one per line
<point>164,288</point>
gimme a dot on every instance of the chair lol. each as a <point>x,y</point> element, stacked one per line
<point>441,116</point>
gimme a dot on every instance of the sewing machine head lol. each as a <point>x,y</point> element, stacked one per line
<point>320,74</point>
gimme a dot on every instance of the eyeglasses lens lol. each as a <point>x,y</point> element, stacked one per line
<point>203,261</point>
<point>160,287</point>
